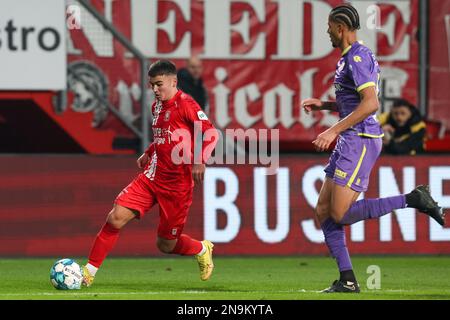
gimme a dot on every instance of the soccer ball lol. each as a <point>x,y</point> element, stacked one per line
<point>66,274</point>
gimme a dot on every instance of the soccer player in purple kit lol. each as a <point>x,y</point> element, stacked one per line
<point>358,147</point>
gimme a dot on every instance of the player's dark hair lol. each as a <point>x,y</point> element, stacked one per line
<point>402,102</point>
<point>346,14</point>
<point>162,67</point>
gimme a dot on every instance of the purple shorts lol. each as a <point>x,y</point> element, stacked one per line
<point>352,160</point>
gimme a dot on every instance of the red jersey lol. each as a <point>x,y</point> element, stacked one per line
<point>175,124</point>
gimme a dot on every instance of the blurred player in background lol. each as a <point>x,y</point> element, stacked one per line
<point>404,129</point>
<point>190,81</point>
<point>358,147</point>
<point>165,180</point>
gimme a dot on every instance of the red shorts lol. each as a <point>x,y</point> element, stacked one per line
<point>142,194</point>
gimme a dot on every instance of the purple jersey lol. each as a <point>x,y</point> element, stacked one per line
<point>357,69</point>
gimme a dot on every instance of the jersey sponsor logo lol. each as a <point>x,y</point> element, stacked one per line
<point>201,115</point>
<point>161,134</point>
<point>357,59</point>
<point>159,140</point>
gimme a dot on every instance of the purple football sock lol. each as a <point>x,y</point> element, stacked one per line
<point>372,208</point>
<point>335,240</point>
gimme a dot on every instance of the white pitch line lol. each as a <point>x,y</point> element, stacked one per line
<point>80,293</point>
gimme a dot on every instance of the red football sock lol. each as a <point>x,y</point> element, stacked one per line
<point>104,242</point>
<point>187,246</point>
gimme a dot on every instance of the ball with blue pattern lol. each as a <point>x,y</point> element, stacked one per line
<point>66,274</point>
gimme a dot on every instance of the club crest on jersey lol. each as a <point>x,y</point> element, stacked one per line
<point>201,115</point>
<point>167,116</point>
<point>357,59</point>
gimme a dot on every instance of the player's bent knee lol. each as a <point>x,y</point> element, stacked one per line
<point>113,220</point>
<point>118,218</point>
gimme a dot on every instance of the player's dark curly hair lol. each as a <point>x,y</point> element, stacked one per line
<point>346,14</point>
<point>398,102</point>
<point>162,67</point>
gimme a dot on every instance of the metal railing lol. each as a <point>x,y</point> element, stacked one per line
<point>143,132</point>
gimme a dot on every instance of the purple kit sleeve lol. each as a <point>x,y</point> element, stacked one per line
<point>364,69</point>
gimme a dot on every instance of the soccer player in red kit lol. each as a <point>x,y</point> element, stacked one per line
<point>165,179</point>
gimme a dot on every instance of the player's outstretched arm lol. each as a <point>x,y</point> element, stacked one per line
<point>312,104</point>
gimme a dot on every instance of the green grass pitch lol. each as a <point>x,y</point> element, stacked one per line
<point>234,278</point>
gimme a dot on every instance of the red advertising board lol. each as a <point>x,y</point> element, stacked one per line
<point>55,205</point>
<point>261,58</point>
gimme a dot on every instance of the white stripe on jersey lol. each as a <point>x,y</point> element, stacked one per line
<point>151,171</point>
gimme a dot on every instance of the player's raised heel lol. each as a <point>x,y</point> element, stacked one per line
<point>339,286</point>
<point>421,199</point>
<point>205,262</point>
<point>88,279</point>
